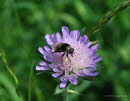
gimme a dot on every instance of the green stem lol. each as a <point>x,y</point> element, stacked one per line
<point>2,55</point>
<point>107,17</point>
<point>30,82</point>
<point>66,96</point>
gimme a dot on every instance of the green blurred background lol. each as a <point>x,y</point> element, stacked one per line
<point>23,24</point>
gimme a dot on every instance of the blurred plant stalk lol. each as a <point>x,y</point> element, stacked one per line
<point>66,96</point>
<point>107,17</point>
<point>2,55</point>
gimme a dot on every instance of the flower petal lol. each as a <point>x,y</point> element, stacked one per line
<point>41,50</point>
<point>42,63</point>
<point>46,65</point>
<point>41,68</point>
<point>73,79</point>
<point>97,60</point>
<point>49,39</point>
<point>48,57</point>
<point>94,48</point>
<point>95,56</point>
<point>88,44</point>
<point>75,34</point>
<point>63,84</point>
<point>82,74</point>
<point>90,69</point>
<point>55,75</point>
<point>47,49</point>
<point>56,70</point>
<point>92,74</point>
<point>83,39</point>
<point>63,78</point>
<point>65,32</point>
<point>92,65</point>
<point>54,38</point>
<point>58,36</point>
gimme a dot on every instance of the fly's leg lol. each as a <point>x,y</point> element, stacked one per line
<point>53,52</point>
<point>62,56</point>
<point>68,57</point>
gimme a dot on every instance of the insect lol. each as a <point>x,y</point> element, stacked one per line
<point>64,47</point>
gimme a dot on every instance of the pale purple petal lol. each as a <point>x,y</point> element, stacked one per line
<point>91,69</point>
<point>58,36</point>
<point>54,38</point>
<point>41,50</point>
<point>49,39</point>
<point>42,63</point>
<point>65,32</point>
<point>56,70</point>
<point>94,48</point>
<point>41,68</point>
<point>55,75</point>
<point>97,60</point>
<point>63,78</point>
<point>95,56</point>
<point>63,84</point>
<point>83,39</point>
<point>75,34</point>
<point>82,74</point>
<point>47,49</point>
<point>92,65</point>
<point>73,79</point>
<point>92,74</point>
<point>88,44</point>
<point>62,68</point>
<point>48,58</point>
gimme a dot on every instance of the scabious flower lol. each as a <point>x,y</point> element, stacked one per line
<point>68,68</point>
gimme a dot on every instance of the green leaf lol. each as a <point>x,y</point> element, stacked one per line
<point>73,92</point>
<point>10,88</point>
<point>59,90</point>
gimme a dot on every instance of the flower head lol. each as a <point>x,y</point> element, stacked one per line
<point>69,66</point>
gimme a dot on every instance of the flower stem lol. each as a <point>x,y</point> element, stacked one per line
<point>107,17</point>
<point>66,96</point>
<point>30,81</point>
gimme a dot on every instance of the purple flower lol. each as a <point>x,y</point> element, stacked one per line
<point>68,68</point>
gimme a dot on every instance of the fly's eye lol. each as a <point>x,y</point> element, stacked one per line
<point>71,50</point>
<point>60,50</point>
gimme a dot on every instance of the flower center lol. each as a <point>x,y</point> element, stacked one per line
<point>68,64</point>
